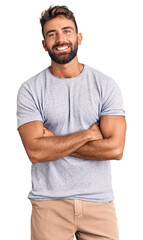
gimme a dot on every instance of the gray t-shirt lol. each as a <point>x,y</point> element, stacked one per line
<point>65,106</point>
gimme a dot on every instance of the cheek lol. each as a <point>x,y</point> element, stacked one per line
<point>73,40</point>
<point>50,44</point>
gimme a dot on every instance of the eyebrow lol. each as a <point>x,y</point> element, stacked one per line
<point>55,30</point>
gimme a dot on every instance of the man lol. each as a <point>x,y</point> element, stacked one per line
<point>72,123</point>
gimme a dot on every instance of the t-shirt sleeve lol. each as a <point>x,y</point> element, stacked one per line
<point>27,108</point>
<point>112,102</point>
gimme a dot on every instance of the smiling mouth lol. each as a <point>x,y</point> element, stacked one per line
<point>61,49</point>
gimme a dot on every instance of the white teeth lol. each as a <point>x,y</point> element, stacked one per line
<point>62,48</point>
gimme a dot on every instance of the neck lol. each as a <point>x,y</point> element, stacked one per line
<point>69,70</point>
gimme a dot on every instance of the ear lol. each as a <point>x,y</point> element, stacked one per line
<point>80,37</point>
<point>44,45</point>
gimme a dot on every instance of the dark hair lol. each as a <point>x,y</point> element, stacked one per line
<point>55,11</point>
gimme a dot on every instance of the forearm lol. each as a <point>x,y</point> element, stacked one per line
<point>103,149</point>
<point>55,147</point>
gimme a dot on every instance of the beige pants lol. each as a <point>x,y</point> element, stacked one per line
<point>62,218</point>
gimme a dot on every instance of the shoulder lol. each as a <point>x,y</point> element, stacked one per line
<point>36,79</point>
<point>100,76</point>
<point>35,82</point>
<point>101,80</point>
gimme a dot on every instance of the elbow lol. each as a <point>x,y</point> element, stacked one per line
<point>37,157</point>
<point>33,157</point>
<point>118,154</point>
<point>33,160</point>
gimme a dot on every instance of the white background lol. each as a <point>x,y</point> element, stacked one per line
<point>113,44</point>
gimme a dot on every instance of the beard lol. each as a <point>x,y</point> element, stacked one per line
<point>63,57</point>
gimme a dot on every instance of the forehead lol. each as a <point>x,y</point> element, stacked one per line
<point>58,23</point>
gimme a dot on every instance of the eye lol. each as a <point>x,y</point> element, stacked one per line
<point>51,35</point>
<point>67,31</point>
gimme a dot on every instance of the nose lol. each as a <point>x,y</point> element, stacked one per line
<point>61,40</point>
<point>60,37</point>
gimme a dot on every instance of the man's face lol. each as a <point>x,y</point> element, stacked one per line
<point>61,40</point>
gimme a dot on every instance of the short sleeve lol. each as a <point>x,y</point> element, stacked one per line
<point>112,102</point>
<point>27,109</point>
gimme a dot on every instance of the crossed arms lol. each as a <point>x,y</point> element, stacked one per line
<point>102,141</point>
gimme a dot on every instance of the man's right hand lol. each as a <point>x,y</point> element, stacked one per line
<point>95,129</point>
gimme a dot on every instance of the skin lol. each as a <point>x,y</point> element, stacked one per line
<point>110,133</point>
<point>62,36</point>
<point>104,140</point>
